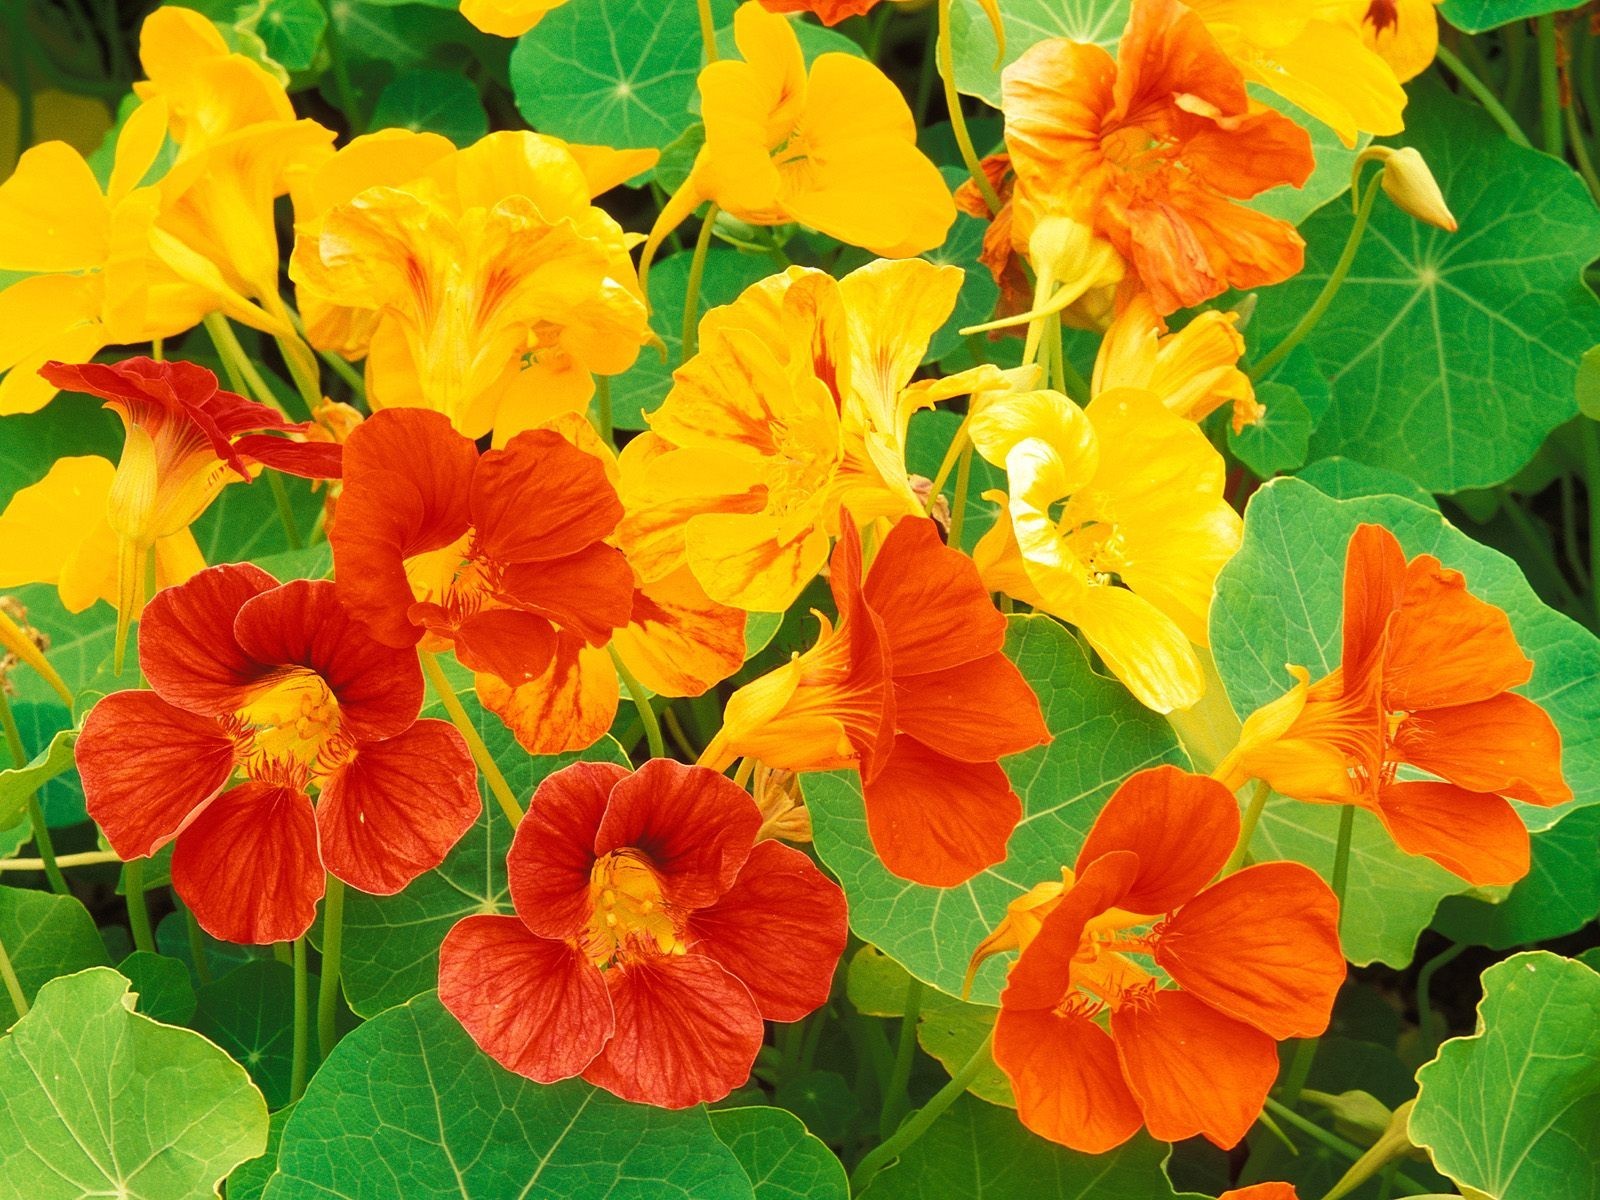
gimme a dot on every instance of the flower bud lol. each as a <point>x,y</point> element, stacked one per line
<point>1408,182</point>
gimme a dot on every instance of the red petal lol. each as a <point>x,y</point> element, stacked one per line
<point>514,646</point>
<point>1374,586</point>
<point>1261,1191</point>
<point>1042,974</point>
<point>1064,1073</point>
<point>1507,744</point>
<point>687,1032</point>
<point>535,1005</point>
<point>589,593</point>
<point>1476,835</point>
<point>1182,827</point>
<point>248,865</point>
<point>870,724</point>
<point>302,624</point>
<point>147,767</point>
<point>1262,946</point>
<point>779,930</point>
<point>695,826</point>
<point>979,711</point>
<point>937,821</point>
<point>1193,1069</point>
<point>395,810</point>
<point>541,498</point>
<point>552,854</point>
<point>1446,646</point>
<point>186,645</point>
<point>935,609</point>
<point>309,460</point>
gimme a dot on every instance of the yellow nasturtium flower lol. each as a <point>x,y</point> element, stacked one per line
<point>507,18</point>
<point>481,283</point>
<point>835,150</point>
<point>1404,32</point>
<point>1115,522</point>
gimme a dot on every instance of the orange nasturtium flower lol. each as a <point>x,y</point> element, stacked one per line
<point>912,689</point>
<point>1151,152</point>
<point>653,935</point>
<point>835,150</point>
<point>1115,522</point>
<point>507,18</point>
<point>1425,681</point>
<point>797,403</point>
<point>480,283</point>
<point>1095,1043</point>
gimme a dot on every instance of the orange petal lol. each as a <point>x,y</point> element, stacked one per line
<point>1042,974</point>
<point>567,708</point>
<point>679,641</point>
<point>1064,1073</point>
<point>978,712</point>
<point>1446,646</point>
<point>1507,744</point>
<point>936,610</point>
<point>1374,588</point>
<point>1475,835</point>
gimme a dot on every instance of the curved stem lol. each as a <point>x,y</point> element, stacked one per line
<point>958,505</point>
<point>332,945</point>
<point>36,822</point>
<point>1550,128</point>
<point>138,914</point>
<point>947,464</point>
<point>691,295</point>
<point>1330,289</point>
<point>1483,95</point>
<point>918,1122</point>
<point>498,786</point>
<point>280,497</point>
<point>636,693</point>
<point>708,31</point>
<point>197,944</point>
<point>1247,827</point>
<point>895,1099</point>
<point>87,858</point>
<point>1425,989</point>
<point>302,1022</point>
<point>19,999</point>
<point>1589,438</point>
<point>236,364</point>
<point>1341,856</point>
<point>958,122</point>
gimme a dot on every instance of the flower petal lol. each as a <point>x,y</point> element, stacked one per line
<point>1446,646</point>
<point>541,498</point>
<point>1042,974</point>
<point>186,645</point>
<point>589,592</point>
<point>1506,744</point>
<point>935,609</point>
<point>679,641</point>
<point>569,707</point>
<point>977,712</point>
<point>552,854</point>
<point>1374,589</point>
<point>1475,835</point>
<point>513,645</point>
<point>1064,1073</point>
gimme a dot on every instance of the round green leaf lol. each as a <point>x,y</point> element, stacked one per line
<point>1279,601</point>
<point>927,441</point>
<point>1474,16</point>
<point>101,1101</point>
<point>1512,1111</point>
<point>249,1012</point>
<point>249,1181</point>
<point>408,1106</point>
<point>45,935</point>
<point>1451,356</point>
<point>1345,479</point>
<point>1102,735</point>
<point>440,102</point>
<point>1278,441</point>
<point>161,985</point>
<point>781,1157</point>
<point>1026,22</point>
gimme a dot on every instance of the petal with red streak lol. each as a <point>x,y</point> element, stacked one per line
<point>979,711</point>
<point>687,1032</point>
<point>569,707</point>
<point>1374,588</point>
<point>1506,744</point>
<point>1042,974</point>
<point>541,498</point>
<point>679,641</point>
<point>779,930</point>
<point>513,645</point>
<point>870,726</point>
<point>309,460</point>
<point>398,807</point>
<point>589,592</point>
<point>935,609</point>
<point>186,645</point>
<point>147,767</point>
<point>1261,946</point>
<point>1064,1073</point>
<point>552,853</point>
<point>248,865</point>
<point>535,1005</point>
<point>1476,835</point>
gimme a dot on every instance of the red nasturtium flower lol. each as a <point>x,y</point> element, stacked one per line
<point>652,936</point>
<point>912,689</point>
<point>1262,1191</point>
<point>829,12</point>
<point>1424,680</point>
<point>278,684</point>
<point>1254,958</point>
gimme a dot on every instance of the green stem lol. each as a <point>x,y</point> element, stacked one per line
<point>1330,289</point>
<point>281,952</point>
<point>480,753</point>
<point>40,831</point>
<point>332,943</point>
<point>1247,827</point>
<point>958,506</point>
<point>1569,531</point>
<point>1484,96</point>
<point>341,74</point>
<point>958,122</point>
<point>1305,1053</point>
<point>19,1000</point>
<point>197,943</point>
<point>1425,992</point>
<point>1534,539</point>
<point>236,364</point>
<point>918,1122</point>
<point>602,406</point>
<point>708,31</point>
<point>691,296</point>
<point>896,1099</point>
<point>84,859</point>
<point>1549,87</point>
<point>1332,1140</point>
<point>952,452</point>
<point>345,371</point>
<point>680,736</point>
<point>636,693</point>
<point>302,1022</point>
<point>1341,856</point>
<point>138,914</point>
<point>280,497</point>
<point>1580,151</point>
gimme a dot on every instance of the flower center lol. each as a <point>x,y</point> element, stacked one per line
<point>628,914</point>
<point>290,730</point>
<point>1136,149</point>
<point>1103,975</point>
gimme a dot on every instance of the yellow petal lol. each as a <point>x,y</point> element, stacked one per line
<point>55,531</point>
<point>680,641</point>
<point>1141,645</point>
<point>53,216</point>
<point>41,318</point>
<point>754,561</point>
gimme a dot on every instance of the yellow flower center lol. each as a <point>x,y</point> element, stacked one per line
<point>627,911</point>
<point>289,732</point>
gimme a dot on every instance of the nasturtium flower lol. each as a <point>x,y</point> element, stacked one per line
<point>484,285</point>
<point>1095,1043</point>
<point>911,689</point>
<point>1151,152</point>
<point>276,683</point>
<point>652,936</point>
<point>207,90</point>
<point>1262,1191</point>
<point>829,12</point>
<point>1405,33</point>
<point>58,531</point>
<point>1424,681</point>
<point>507,18</point>
<point>1115,522</point>
<point>835,149</point>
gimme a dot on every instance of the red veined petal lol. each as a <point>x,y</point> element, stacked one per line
<point>396,809</point>
<point>870,724</point>
<point>552,854</point>
<point>186,645</point>
<point>1374,587</point>
<point>935,609</point>
<point>248,865</point>
<point>535,1005</point>
<point>687,1032</point>
<point>1476,835</point>
<point>589,592</point>
<point>511,645</point>
<point>779,930</point>
<point>1262,946</point>
<point>541,498</point>
<point>938,821</point>
<point>1182,826</point>
<point>147,768</point>
<point>1064,1073</point>
<point>302,624</point>
<point>1446,646</point>
<point>1042,974</point>
<point>1193,1069</point>
<point>309,460</point>
<point>695,826</point>
<point>1506,744</point>
<point>977,712</point>
<point>569,707</point>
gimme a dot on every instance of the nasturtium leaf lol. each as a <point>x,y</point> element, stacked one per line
<point>1475,16</point>
<point>45,935</point>
<point>235,22</point>
<point>249,1012</point>
<point>823,1100</point>
<point>1279,601</point>
<point>610,72</point>
<point>291,30</point>
<point>976,1149</point>
<point>875,984</point>
<point>781,1157</point>
<point>243,523</point>
<point>61,798</point>
<point>1346,479</point>
<point>442,102</point>
<point>1510,1113</point>
<point>173,940</point>
<point>391,943</point>
<point>161,985</point>
<point>1589,383</point>
<point>101,1101</point>
<point>1278,441</point>
<point>1451,356</point>
<point>1329,178</point>
<point>18,783</point>
<point>69,425</point>
<point>1102,735</point>
<point>1026,22</point>
<point>408,1106</point>
<point>926,444</point>
<point>249,1180</point>
<point>975,302</point>
<point>1559,895</point>
<point>814,40</point>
